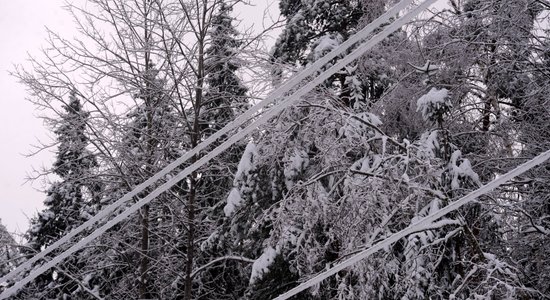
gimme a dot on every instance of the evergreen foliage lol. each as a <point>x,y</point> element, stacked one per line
<point>67,205</point>
<point>226,95</point>
<point>69,201</point>
<point>225,98</point>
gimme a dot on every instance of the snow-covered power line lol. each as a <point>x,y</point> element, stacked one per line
<point>251,113</point>
<point>422,224</point>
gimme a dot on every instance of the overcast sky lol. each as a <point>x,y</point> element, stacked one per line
<point>22,26</point>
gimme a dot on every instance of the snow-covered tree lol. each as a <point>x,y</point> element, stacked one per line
<point>531,235</point>
<point>493,70</point>
<point>71,200</point>
<point>226,95</point>
<point>225,98</point>
<point>308,22</point>
<point>314,28</point>
<point>315,173</point>
<point>150,139</point>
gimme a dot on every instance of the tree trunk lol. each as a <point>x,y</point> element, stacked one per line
<point>195,138</point>
<point>144,263</point>
<point>190,239</point>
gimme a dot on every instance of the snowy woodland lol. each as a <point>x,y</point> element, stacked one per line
<point>450,101</point>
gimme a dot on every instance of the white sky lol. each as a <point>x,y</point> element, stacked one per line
<point>22,24</point>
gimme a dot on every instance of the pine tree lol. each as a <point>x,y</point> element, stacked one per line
<point>224,99</point>
<point>70,200</point>
<point>226,95</point>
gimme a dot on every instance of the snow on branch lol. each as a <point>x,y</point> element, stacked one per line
<point>219,259</point>
<point>422,223</point>
<point>262,264</point>
<point>433,104</point>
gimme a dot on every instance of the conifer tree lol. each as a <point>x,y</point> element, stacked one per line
<point>226,95</point>
<point>224,99</point>
<point>314,28</point>
<point>69,201</point>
